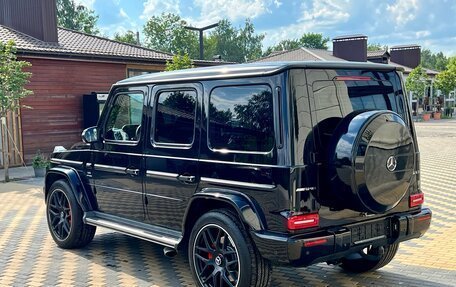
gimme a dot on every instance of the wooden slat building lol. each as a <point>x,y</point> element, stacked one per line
<point>65,65</point>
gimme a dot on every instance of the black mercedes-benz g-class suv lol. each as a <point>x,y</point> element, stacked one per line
<point>246,165</point>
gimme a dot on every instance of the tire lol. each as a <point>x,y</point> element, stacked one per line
<point>64,218</point>
<point>221,253</point>
<point>371,260</point>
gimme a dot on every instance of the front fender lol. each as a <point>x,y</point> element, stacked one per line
<point>247,209</point>
<point>78,186</point>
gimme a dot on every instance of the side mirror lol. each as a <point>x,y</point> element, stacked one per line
<point>90,135</point>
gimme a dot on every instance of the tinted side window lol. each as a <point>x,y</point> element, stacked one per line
<point>241,118</point>
<point>124,119</point>
<point>175,117</point>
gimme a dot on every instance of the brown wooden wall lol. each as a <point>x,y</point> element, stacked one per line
<point>56,114</point>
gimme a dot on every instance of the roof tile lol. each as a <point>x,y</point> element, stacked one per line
<point>378,53</point>
<point>300,54</point>
<point>80,44</point>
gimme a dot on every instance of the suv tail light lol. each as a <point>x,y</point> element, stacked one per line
<point>416,199</point>
<point>303,221</point>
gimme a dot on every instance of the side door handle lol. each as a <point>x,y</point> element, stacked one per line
<point>132,171</point>
<point>186,178</point>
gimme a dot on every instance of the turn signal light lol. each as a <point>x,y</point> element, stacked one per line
<point>416,199</point>
<point>303,221</point>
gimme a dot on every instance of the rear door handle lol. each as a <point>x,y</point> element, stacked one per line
<point>186,178</point>
<point>132,171</point>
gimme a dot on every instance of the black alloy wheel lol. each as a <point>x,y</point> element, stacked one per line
<point>216,257</point>
<point>64,217</point>
<point>221,253</point>
<point>59,212</point>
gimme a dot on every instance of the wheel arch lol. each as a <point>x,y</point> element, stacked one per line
<point>79,188</point>
<point>209,199</point>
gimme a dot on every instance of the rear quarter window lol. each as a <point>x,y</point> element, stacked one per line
<point>241,119</point>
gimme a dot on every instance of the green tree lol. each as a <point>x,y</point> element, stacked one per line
<point>307,40</point>
<point>167,33</point>
<point>376,47</point>
<point>76,17</point>
<point>179,62</point>
<point>12,88</point>
<point>255,114</point>
<point>180,101</point>
<point>284,45</point>
<point>436,61</point>
<point>234,44</point>
<point>417,81</point>
<point>128,37</point>
<point>218,116</point>
<point>446,80</point>
<point>314,41</point>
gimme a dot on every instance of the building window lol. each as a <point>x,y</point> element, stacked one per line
<point>139,72</point>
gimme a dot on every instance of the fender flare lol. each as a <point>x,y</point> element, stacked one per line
<point>78,187</point>
<point>247,208</point>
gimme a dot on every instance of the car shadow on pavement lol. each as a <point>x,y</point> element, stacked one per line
<point>124,260</point>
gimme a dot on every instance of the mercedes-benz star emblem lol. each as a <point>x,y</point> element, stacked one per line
<point>391,163</point>
<point>218,260</point>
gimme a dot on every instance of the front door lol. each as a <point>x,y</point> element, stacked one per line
<point>171,153</point>
<point>117,162</point>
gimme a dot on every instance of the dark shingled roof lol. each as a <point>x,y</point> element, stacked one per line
<point>77,44</point>
<point>407,70</point>
<point>405,47</point>
<point>378,53</point>
<point>300,54</point>
<point>306,54</point>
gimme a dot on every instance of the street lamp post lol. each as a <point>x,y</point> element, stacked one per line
<point>201,30</point>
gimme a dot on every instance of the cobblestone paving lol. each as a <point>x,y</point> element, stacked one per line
<point>29,257</point>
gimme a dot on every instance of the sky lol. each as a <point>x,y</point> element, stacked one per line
<point>429,23</point>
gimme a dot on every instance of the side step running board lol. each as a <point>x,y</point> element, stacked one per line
<point>152,233</point>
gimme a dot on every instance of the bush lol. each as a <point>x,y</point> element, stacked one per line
<point>40,161</point>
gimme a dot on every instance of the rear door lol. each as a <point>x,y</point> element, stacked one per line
<point>171,153</point>
<point>333,94</point>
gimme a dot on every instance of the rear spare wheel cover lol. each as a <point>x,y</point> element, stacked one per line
<point>380,165</point>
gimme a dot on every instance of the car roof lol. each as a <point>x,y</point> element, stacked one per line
<point>247,70</point>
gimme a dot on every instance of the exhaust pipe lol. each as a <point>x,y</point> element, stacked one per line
<point>169,252</point>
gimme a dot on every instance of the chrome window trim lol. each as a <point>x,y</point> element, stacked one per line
<point>116,188</point>
<point>136,192</point>
<point>59,161</point>
<point>237,183</point>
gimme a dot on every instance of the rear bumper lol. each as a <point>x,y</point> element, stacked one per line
<point>334,243</point>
